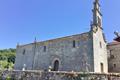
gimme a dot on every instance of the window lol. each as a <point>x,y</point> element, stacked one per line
<point>114,65</point>
<point>24,52</point>
<point>110,52</point>
<point>100,45</point>
<point>102,67</point>
<point>111,55</point>
<point>44,49</point>
<point>74,44</point>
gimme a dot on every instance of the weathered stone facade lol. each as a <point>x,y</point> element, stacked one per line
<point>100,52</point>
<point>70,57</point>
<point>114,56</point>
<point>81,52</point>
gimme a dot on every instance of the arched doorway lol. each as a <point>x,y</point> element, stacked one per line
<point>56,65</point>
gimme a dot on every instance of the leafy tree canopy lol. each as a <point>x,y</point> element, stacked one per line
<point>7,57</point>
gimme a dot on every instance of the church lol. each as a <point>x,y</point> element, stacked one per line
<point>85,52</point>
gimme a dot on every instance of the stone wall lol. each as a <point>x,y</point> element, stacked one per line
<point>114,57</point>
<point>44,75</point>
<point>24,56</point>
<point>100,51</point>
<point>78,58</point>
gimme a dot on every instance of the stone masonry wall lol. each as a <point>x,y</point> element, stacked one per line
<point>78,58</point>
<point>114,57</point>
<point>100,52</point>
<point>44,75</point>
<point>24,57</point>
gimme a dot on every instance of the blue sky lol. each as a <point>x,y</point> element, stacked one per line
<point>23,20</point>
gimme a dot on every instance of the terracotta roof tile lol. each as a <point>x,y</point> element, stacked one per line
<point>114,43</point>
<point>117,39</point>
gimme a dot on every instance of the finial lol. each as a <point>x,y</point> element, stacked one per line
<point>35,40</point>
<point>96,3</point>
<point>18,45</point>
<point>96,0</point>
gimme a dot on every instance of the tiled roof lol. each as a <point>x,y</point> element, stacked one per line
<point>117,39</point>
<point>114,43</point>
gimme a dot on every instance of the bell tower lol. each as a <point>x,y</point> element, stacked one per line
<point>97,16</point>
<point>99,42</point>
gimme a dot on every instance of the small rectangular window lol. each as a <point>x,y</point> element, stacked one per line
<point>102,67</point>
<point>100,45</point>
<point>114,65</point>
<point>24,52</point>
<point>110,52</point>
<point>44,49</point>
<point>74,44</point>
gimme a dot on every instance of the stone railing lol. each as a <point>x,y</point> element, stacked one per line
<point>57,75</point>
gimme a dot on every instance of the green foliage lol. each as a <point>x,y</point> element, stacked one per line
<point>7,58</point>
<point>8,78</point>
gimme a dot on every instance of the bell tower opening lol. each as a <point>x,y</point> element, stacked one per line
<point>56,65</point>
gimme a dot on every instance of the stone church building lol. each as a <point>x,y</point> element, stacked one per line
<point>81,52</point>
